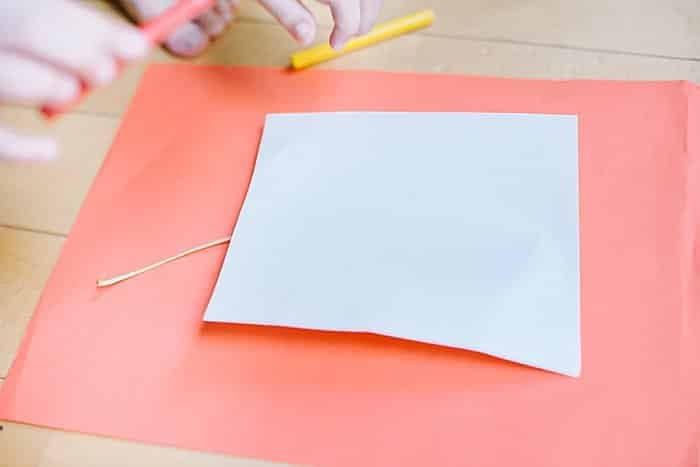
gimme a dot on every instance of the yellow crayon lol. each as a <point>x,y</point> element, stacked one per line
<point>389,30</point>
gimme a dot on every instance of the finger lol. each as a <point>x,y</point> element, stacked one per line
<point>105,70</point>
<point>26,81</point>
<point>188,40</point>
<point>83,48</point>
<point>15,147</point>
<point>225,9</point>
<point>295,17</point>
<point>128,44</point>
<point>346,16</point>
<point>368,14</point>
<point>212,23</point>
<point>146,10</point>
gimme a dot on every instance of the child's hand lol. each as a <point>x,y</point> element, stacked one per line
<point>47,47</point>
<point>352,18</point>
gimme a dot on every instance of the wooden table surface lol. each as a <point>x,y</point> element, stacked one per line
<point>621,39</point>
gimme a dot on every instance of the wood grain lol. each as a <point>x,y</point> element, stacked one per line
<point>651,27</point>
<point>26,259</point>
<point>28,446</point>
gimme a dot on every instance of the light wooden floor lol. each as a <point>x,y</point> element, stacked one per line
<point>621,39</point>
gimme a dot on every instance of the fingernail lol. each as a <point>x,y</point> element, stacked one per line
<point>336,43</point>
<point>338,39</point>
<point>226,14</point>
<point>134,45</point>
<point>67,90</point>
<point>187,41</point>
<point>105,72</point>
<point>303,32</point>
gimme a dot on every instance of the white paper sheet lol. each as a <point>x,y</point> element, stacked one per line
<point>457,229</point>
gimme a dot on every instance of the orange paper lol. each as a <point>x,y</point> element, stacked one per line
<point>136,361</point>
